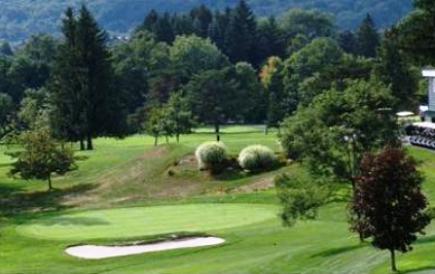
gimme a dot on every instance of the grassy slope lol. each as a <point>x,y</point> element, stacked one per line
<point>321,246</point>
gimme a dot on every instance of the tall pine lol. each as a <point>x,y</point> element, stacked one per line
<point>85,103</point>
<point>240,35</point>
<point>368,38</point>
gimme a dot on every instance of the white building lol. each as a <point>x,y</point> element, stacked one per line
<point>429,114</point>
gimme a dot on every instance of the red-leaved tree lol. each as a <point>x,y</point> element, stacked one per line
<point>389,199</point>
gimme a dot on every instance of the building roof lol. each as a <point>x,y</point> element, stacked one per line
<point>425,125</point>
<point>429,72</point>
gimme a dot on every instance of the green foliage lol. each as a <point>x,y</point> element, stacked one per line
<point>86,105</point>
<point>6,113</point>
<point>337,128</point>
<point>194,55</point>
<point>413,33</point>
<point>119,16</point>
<point>41,157</point>
<point>312,23</point>
<point>257,158</point>
<point>368,38</point>
<point>300,197</point>
<point>155,123</point>
<point>394,69</point>
<point>211,156</point>
<point>178,115</point>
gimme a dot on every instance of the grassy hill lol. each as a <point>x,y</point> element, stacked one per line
<point>20,18</point>
<point>124,186</point>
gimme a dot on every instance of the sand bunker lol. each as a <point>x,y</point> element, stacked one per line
<point>93,252</point>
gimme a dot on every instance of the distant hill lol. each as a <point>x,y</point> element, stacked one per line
<point>21,18</point>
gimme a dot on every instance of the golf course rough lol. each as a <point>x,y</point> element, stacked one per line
<point>146,221</point>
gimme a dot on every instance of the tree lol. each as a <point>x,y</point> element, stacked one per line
<point>41,157</point>
<point>193,55</point>
<point>348,42</point>
<point>179,115</point>
<point>270,40</point>
<point>5,49</point>
<point>86,104</point>
<point>214,97</point>
<point>393,69</point>
<point>241,34</point>
<point>154,124</point>
<point>135,63</point>
<point>272,81</point>
<point>311,23</point>
<point>319,56</point>
<point>6,113</point>
<point>332,134</point>
<point>34,112</point>
<point>414,30</point>
<point>367,37</point>
<point>251,90</point>
<point>390,200</point>
<point>300,197</point>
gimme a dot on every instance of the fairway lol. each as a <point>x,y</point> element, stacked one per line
<point>146,221</point>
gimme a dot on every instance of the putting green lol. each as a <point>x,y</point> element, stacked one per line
<point>145,221</point>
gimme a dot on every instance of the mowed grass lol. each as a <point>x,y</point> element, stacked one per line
<point>147,221</point>
<point>33,241</point>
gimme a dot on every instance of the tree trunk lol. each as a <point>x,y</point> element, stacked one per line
<point>156,140</point>
<point>82,144</point>
<point>178,138</point>
<point>393,260</point>
<point>50,187</point>
<point>167,139</point>
<point>89,142</point>
<point>266,130</point>
<point>217,132</point>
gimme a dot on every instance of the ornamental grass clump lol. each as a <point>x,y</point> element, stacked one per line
<point>257,158</point>
<point>211,156</point>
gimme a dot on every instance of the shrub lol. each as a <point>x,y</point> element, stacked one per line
<point>211,156</point>
<point>257,158</point>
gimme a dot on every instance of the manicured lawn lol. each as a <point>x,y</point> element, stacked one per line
<point>147,221</point>
<point>124,192</point>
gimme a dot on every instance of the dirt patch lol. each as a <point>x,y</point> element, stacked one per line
<point>260,185</point>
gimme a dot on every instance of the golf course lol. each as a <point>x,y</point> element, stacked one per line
<point>128,191</point>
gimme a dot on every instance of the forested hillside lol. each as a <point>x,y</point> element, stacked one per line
<point>20,18</point>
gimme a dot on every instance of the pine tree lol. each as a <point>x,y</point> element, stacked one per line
<point>270,40</point>
<point>240,36</point>
<point>348,42</point>
<point>5,49</point>
<point>394,70</point>
<point>368,38</point>
<point>202,17</point>
<point>85,103</point>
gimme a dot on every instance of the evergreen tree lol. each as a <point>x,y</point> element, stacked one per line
<point>368,38</point>
<point>348,42</point>
<point>85,103</point>
<point>416,31</point>
<point>202,17</point>
<point>394,70</point>
<point>241,34</point>
<point>163,29</point>
<point>5,49</point>
<point>270,40</point>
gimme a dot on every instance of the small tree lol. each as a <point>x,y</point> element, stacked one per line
<point>179,115</point>
<point>154,125</point>
<point>389,200</point>
<point>42,156</point>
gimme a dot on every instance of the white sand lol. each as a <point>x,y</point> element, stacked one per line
<point>93,252</point>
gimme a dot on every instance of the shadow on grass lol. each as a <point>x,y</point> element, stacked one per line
<point>14,201</point>
<point>339,250</point>
<point>67,221</point>
<point>421,270</point>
